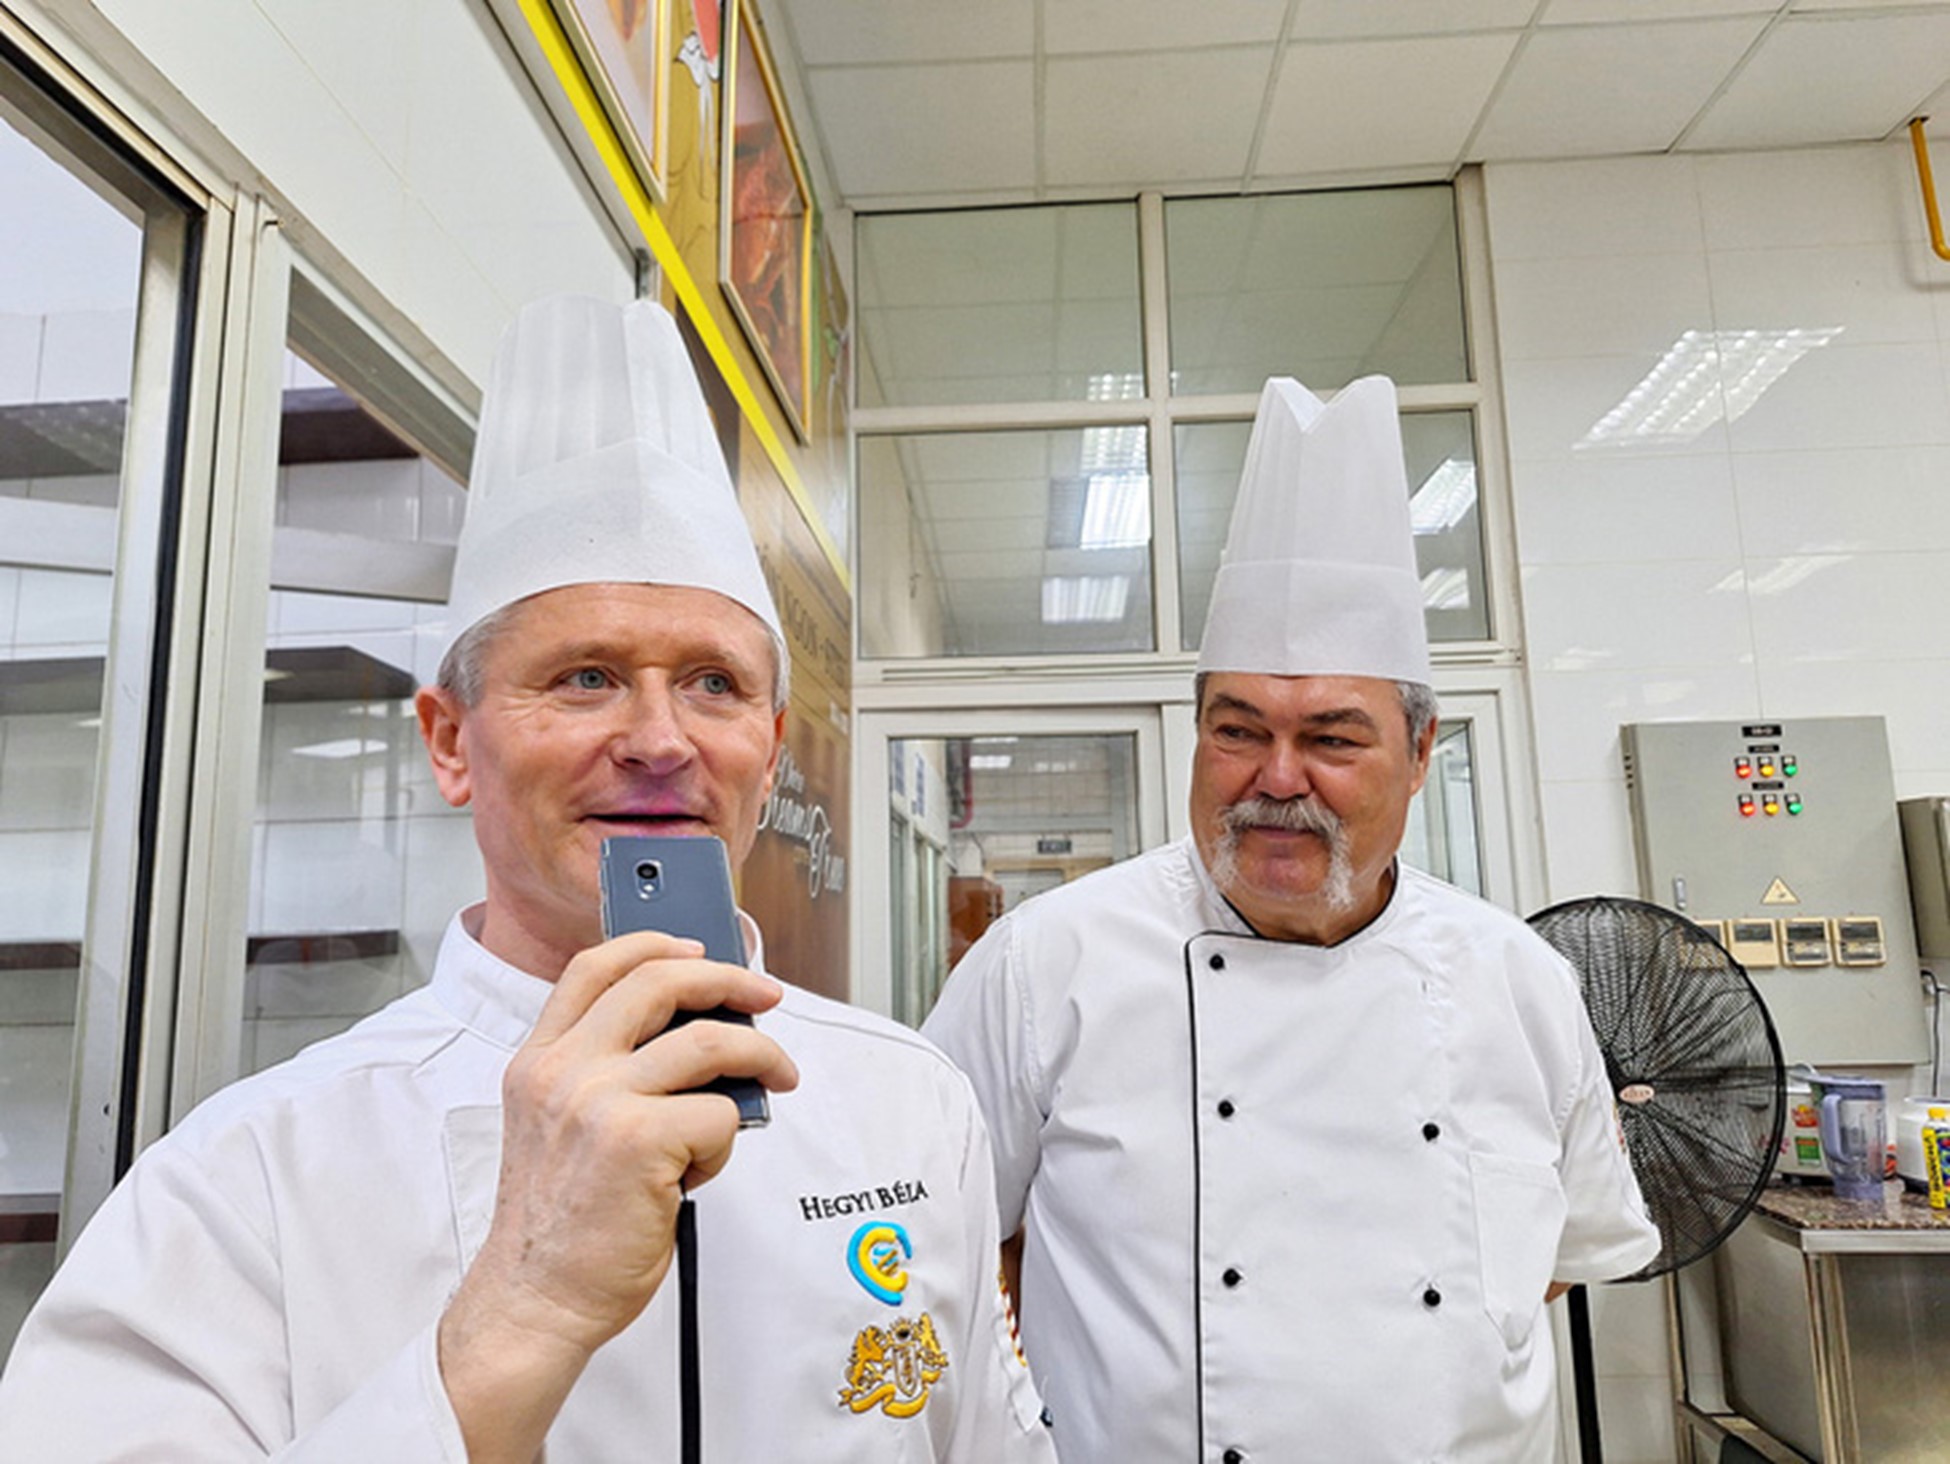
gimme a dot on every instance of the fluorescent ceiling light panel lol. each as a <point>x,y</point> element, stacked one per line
<point>1705,376</point>
<point>1114,386</point>
<point>990,762</point>
<point>1085,598</point>
<point>1444,499</point>
<point>1116,512</point>
<point>1781,578</point>
<point>1112,450</point>
<point>1107,503</point>
<point>344,748</point>
<point>1446,589</point>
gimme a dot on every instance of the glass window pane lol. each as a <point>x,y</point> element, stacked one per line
<point>1324,287</point>
<point>1440,453</point>
<point>356,861</point>
<point>1005,543</point>
<point>1021,815</point>
<point>1004,305</point>
<point>1441,837</point>
<point>69,266</point>
<point>1439,449</point>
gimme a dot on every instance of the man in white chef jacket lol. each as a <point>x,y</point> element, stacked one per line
<point>448,1234</point>
<point>1295,1139</point>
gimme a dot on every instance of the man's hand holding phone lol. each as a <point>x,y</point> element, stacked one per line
<point>682,886</point>
<point>603,1132</point>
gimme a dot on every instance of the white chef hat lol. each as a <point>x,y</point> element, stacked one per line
<point>1318,576</point>
<point>596,462</point>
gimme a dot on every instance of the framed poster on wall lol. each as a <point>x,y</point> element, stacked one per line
<point>622,46</point>
<point>766,220</point>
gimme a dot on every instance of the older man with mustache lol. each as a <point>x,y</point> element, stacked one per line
<point>1293,1141</point>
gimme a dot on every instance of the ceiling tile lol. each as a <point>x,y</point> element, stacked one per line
<point>927,129</point>
<point>1838,79</point>
<point>1351,19</point>
<point>1376,104</point>
<point>1103,122</point>
<point>1156,25</point>
<point>839,32</point>
<point>1616,89</point>
<point>1585,12</point>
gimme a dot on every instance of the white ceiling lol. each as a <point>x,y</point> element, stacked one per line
<point>925,102</point>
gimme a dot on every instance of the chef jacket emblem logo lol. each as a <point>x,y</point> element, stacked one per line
<point>894,1368</point>
<point>876,1255</point>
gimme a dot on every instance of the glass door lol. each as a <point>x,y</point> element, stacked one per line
<point>980,811</point>
<point>93,263</point>
<point>356,861</point>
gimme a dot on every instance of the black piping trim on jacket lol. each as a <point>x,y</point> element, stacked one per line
<point>1198,1164</point>
<point>1198,1200</point>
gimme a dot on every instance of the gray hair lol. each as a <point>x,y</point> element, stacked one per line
<point>463,670</point>
<point>1418,705</point>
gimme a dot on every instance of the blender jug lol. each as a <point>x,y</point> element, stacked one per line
<point>1854,1131</point>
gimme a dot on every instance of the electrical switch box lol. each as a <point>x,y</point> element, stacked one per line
<point>1805,943</point>
<point>1754,943</point>
<point>1787,831</point>
<point>1858,941</point>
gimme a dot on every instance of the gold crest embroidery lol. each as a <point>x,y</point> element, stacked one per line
<point>893,1368</point>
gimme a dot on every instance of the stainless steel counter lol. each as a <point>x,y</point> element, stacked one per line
<point>1835,1324</point>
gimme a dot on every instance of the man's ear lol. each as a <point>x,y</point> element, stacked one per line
<point>1424,748</point>
<point>778,746</point>
<point>440,714</point>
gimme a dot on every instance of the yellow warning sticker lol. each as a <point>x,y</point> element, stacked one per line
<point>1779,894</point>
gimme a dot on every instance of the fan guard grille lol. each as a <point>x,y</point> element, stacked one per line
<point>1675,1013</point>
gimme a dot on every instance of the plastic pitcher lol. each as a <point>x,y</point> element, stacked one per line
<point>1853,1115</point>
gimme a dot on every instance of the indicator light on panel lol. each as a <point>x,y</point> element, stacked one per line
<point>1789,766</point>
<point>1770,805</point>
<point>1742,768</point>
<point>1793,803</point>
<point>1767,767</point>
<point>1746,805</point>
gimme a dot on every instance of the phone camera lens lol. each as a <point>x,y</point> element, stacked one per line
<point>649,871</point>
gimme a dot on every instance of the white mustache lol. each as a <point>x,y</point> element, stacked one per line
<point>1302,815</point>
<point>1292,815</point>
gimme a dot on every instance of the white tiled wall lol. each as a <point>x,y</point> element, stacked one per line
<point>1794,562</point>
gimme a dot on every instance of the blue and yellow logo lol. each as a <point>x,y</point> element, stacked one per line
<point>877,1255</point>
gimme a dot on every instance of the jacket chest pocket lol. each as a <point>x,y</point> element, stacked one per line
<point>1520,1210</point>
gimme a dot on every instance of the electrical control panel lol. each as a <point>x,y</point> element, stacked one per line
<point>1784,836</point>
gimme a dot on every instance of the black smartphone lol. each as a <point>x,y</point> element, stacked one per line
<point>682,886</point>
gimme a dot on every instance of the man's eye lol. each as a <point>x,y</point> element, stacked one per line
<point>588,679</point>
<point>715,683</point>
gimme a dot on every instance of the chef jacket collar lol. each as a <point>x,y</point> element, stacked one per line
<point>501,1002</point>
<point>1222,915</point>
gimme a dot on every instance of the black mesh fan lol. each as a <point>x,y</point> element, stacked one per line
<point>1693,1062</point>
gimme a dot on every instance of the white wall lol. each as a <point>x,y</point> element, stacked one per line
<point>404,134</point>
<point>1794,562</point>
